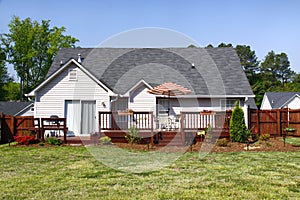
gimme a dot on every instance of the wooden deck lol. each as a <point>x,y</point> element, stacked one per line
<point>115,125</point>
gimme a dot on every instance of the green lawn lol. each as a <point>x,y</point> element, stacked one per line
<point>74,173</point>
<point>293,141</point>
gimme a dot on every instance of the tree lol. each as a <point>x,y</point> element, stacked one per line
<point>209,46</point>
<point>3,75</point>
<point>238,129</point>
<point>31,47</point>
<point>225,45</point>
<point>11,91</point>
<point>248,61</point>
<point>283,70</point>
<point>276,68</point>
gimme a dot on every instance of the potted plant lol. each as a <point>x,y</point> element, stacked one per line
<point>289,129</point>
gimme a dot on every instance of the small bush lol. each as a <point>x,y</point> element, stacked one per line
<point>53,141</point>
<point>133,135</point>
<point>222,142</point>
<point>264,137</point>
<point>208,133</point>
<point>238,129</point>
<point>25,139</point>
<point>105,140</point>
<point>254,137</point>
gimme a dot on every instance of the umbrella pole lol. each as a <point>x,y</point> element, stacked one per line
<point>168,103</point>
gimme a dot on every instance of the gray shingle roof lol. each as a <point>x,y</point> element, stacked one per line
<point>13,108</point>
<point>278,99</point>
<point>217,71</point>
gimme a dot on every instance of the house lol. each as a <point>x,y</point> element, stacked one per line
<point>278,100</point>
<point>82,82</point>
<point>17,108</point>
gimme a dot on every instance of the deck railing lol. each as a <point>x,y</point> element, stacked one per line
<point>125,120</point>
<point>202,120</point>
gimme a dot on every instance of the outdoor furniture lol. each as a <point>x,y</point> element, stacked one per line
<point>56,124</point>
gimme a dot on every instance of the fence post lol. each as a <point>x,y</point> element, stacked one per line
<point>279,122</point>
<point>258,122</point>
<point>249,117</point>
<point>1,127</point>
<point>12,125</point>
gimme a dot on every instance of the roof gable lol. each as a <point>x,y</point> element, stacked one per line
<point>280,99</point>
<point>62,68</point>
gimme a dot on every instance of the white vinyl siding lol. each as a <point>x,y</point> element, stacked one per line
<point>50,100</point>
<point>141,100</point>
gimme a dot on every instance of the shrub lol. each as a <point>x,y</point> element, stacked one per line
<point>53,141</point>
<point>208,133</point>
<point>105,140</point>
<point>238,129</point>
<point>254,137</point>
<point>264,137</point>
<point>25,139</point>
<point>133,135</point>
<point>222,142</point>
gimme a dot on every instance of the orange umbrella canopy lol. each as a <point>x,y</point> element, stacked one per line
<point>170,89</point>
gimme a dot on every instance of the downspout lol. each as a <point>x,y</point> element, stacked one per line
<point>114,100</point>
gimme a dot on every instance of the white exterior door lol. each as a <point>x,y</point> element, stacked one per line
<point>88,117</point>
<point>81,117</point>
<point>72,113</point>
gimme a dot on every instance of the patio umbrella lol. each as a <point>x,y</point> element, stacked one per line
<point>169,89</point>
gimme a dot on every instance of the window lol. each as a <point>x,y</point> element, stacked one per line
<point>228,104</point>
<point>163,106</point>
<point>73,75</point>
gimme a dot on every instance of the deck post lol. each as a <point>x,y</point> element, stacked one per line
<point>151,134</point>
<point>182,128</point>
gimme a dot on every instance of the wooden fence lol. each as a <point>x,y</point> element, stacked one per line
<point>274,122</point>
<point>14,126</point>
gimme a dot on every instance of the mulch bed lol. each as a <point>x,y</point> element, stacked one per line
<point>273,144</point>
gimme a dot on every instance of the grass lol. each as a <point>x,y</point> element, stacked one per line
<point>293,141</point>
<point>75,173</point>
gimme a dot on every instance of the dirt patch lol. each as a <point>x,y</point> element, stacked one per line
<point>273,144</point>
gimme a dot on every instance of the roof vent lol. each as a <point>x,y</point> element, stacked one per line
<point>79,58</point>
<point>61,63</point>
<point>193,66</point>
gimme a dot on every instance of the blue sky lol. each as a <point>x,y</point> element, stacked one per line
<point>265,25</point>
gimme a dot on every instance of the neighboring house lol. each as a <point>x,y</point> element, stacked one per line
<point>83,81</point>
<point>17,108</point>
<point>278,100</point>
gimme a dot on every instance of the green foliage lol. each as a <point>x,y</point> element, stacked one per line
<point>238,129</point>
<point>11,90</point>
<point>53,141</point>
<point>133,135</point>
<point>254,137</point>
<point>105,140</point>
<point>31,47</point>
<point>249,62</point>
<point>222,142</point>
<point>225,45</point>
<point>208,133</point>
<point>4,78</point>
<point>264,137</point>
